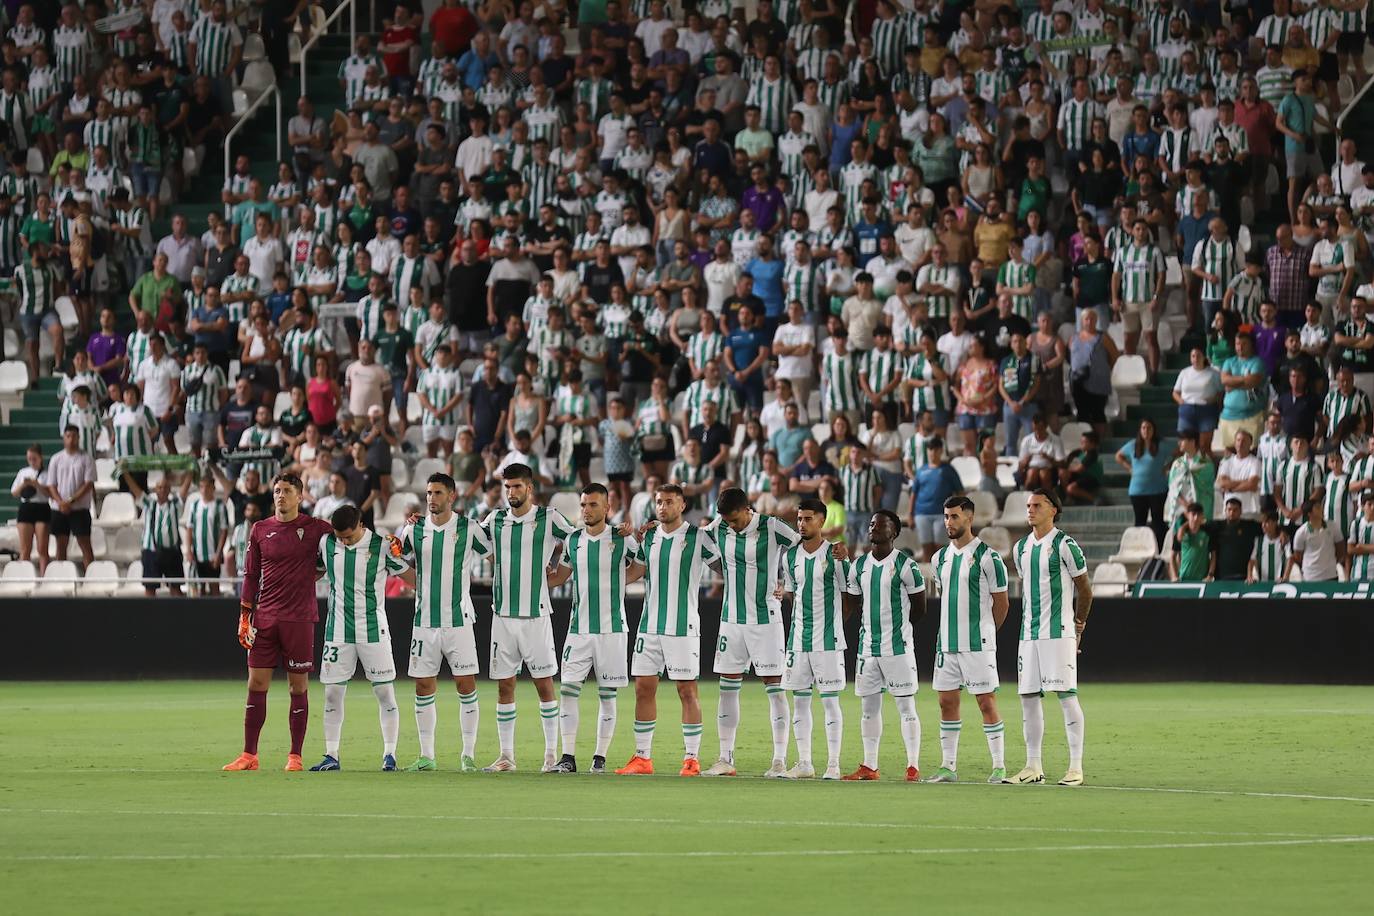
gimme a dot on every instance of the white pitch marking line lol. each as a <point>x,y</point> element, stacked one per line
<point>691,854</point>
<point>1342,798</point>
<point>859,825</point>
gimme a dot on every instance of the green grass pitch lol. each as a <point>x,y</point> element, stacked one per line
<point>1203,798</point>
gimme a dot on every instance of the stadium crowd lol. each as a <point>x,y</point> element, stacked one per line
<point>810,251</point>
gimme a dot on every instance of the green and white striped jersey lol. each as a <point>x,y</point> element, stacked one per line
<point>818,583</point>
<point>233,285</point>
<point>134,430</point>
<point>840,383</point>
<point>87,423</point>
<point>1296,479</point>
<point>1222,259</point>
<point>581,406</point>
<point>161,521</point>
<point>1274,82</point>
<point>1142,270</point>
<point>206,398</point>
<point>215,43</point>
<point>674,563</point>
<point>933,395</point>
<point>889,40</point>
<point>799,283</point>
<point>750,561</point>
<point>1249,293</point>
<point>72,50</point>
<point>1361,565</point>
<point>208,521</point>
<point>1332,254</point>
<point>1047,567</point>
<point>1319,23</point>
<point>353,74</point>
<point>1271,558</point>
<point>1076,120</point>
<point>91,379</point>
<point>833,95</point>
<point>680,472</point>
<point>14,112</point>
<point>523,546</point>
<point>355,577</point>
<point>598,563</point>
<point>1338,406</point>
<point>886,589</point>
<point>852,178</point>
<point>301,346</point>
<point>444,557</point>
<point>939,306</point>
<point>775,99</point>
<point>702,348</point>
<point>1337,507</point>
<point>856,489</point>
<point>880,367</point>
<point>968,577</point>
<point>439,386</point>
<point>1354,20</point>
<point>37,288</point>
<point>1015,274</point>
<point>699,392</point>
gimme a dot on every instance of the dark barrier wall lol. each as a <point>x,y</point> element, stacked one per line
<point>1127,639</point>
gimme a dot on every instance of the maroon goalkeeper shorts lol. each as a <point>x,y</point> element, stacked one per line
<point>289,643</point>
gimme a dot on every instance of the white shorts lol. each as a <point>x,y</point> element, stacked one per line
<point>1138,316</point>
<point>430,647</point>
<point>338,661</point>
<point>823,670</point>
<point>603,651</point>
<point>522,640</point>
<point>740,644</point>
<point>894,673</point>
<point>437,433</point>
<point>1047,664</point>
<point>680,656</point>
<point>974,671</point>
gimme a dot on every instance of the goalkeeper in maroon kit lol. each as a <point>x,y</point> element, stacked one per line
<point>278,613</point>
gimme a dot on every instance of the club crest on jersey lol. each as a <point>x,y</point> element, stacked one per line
<point>300,534</point>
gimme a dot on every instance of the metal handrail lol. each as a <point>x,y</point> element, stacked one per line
<point>273,91</point>
<point>1350,106</point>
<point>352,8</point>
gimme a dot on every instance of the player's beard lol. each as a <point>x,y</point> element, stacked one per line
<point>515,503</point>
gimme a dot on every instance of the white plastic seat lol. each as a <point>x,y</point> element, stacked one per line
<point>16,581</point>
<point>984,507</point>
<point>63,571</point>
<point>1164,332</point>
<point>1071,432</point>
<point>1243,240</point>
<point>1006,477</point>
<point>133,580</point>
<point>105,476</point>
<point>14,377</point>
<point>100,581</point>
<point>258,77</point>
<point>820,432</point>
<point>1110,579</point>
<point>1014,510</point>
<point>400,475</point>
<point>1129,372</point>
<point>567,504</point>
<point>1137,546</point>
<point>397,509</point>
<point>970,471</point>
<point>254,48</point>
<point>117,510</point>
<point>35,161</point>
<point>999,539</point>
<point>66,313</point>
<point>240,102</point>
<point>424,468</point>
<point>9,536</point>
<point>128,544</point>
<point>282,404</point>
<point>1117,332</point>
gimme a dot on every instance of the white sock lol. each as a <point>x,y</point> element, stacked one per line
<point>777,711</point>
<point>691,739</point>
<point>834,727</point>
<point>727,716</point>
<point>606,728</point>
<point>426,723</point>
<point>388,714</point>
<point>911,730</point>
<point>949,744</point>
<point>871,727</point>
<point>801,724</point>
<point>548,718</point>
<point>467,722</point>
<point>569,716</point>
<point>1033,727</point>
<point>333,717</point>
<point>1073,728</point>
<point>505,729</point>
<point>644,738</point>
<point>995,733</point>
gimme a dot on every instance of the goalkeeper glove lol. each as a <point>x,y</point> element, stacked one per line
<point>247,632</point>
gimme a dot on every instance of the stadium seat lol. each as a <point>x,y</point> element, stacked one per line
<point>1129,372</point>
<point>282,403</point>
<point>397,509</point>
<point>63,571</point>
<point>969,470</point>
<point>906,431</point>
<point>254,49</point>
<point>1066,331</point>
<point>1165,334</point>
<point>1137,546</point>
<point>128,544</point>
<point>999,539</point>
<point>1244,241</point>
<point>820,432</point>
<point>133,581</point>
<point>568,505</point>
<point>14,381</point>
<point>423,469</point>
<point>984,508</point>
<point>1071,432</point>
<point>34,158</point>
<point>414,411</point>
<point>100,543</point>
<point>66,313</point>
<point>400,474</point>
<point>104,476</point>
<point>240,102</point>
<point>9,536</point>
<point>1014,510</point>
<point>1110,580</point>
<point>1117,332</point>
<point>16,581</point>
<point>639,507</point>
<point>100,581</point>
<point>117,510</point>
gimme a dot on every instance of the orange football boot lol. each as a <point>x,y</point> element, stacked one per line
<point>862,774</point>
<point>638,766</point>
<point>913,774</point>
<point>244,761</point>
<point>690,767</point>
<point>293,763</point>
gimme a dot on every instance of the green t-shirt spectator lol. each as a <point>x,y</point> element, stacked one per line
<point>245,216</point>
<point>1035,195</point>
<point>149,291</point>
<point>1298,112</point>
<point>38,230</point>
<point>392,347</point>
<point>753,141</point>
<point>1194,549</point>
<point>1240,403</point>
